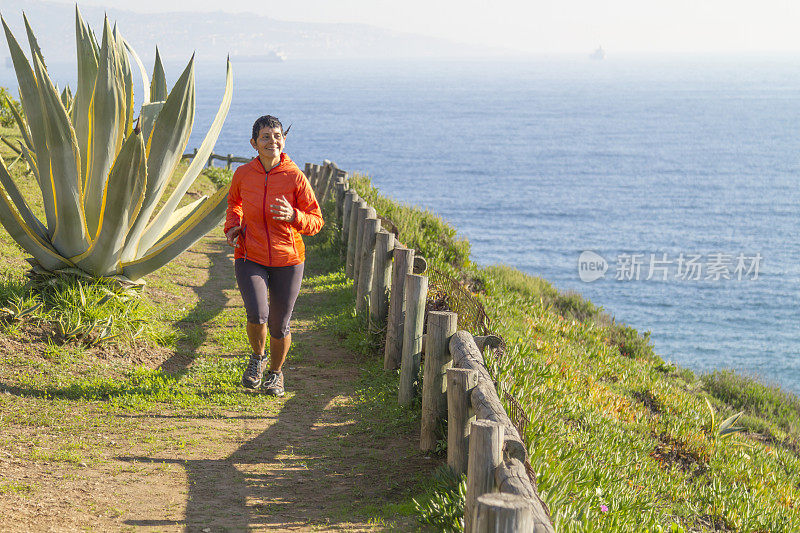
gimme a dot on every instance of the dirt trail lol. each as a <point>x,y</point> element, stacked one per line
<point>305,464</point>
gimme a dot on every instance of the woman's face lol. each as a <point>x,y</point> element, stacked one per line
<point>269,143</point>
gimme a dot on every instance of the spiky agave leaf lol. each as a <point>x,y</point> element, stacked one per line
<point>127,78</point>
<point>205,218</point>
<point>180,216</point>
<point>69,236</point>
<point>142,72</point>
<point>147,119</point>
<point>155,228</point>
<point>29,157</point>
<point>26,236</point>
<point>107,115</point>
<point>21,124</point>
<point>88,56</point>
<point>67,99</point>
<point>170,134</point>
<point>158,87</point>
<point>122,198</point>
<point>20,204</point>
<point>31,104</point>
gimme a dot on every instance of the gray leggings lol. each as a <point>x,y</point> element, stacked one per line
<point>282,284</point>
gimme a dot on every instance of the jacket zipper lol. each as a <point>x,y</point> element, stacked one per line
<point>264,214</point>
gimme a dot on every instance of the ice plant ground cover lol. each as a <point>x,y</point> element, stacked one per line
<point>620,439</point>
<point>102,166</point>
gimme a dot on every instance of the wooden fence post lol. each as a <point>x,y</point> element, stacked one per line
<point>403,262</point>
<point>416,291</point>
<point>352,237</point>
<point>342,174</point>
<point>327,180</point>
<point>460,382</point>
<point>228,161</point>
<point>350,199</point>
<point>441,326</point>
<point>381,278</point>
<point>307,171</point>
<point>315,171</point>
<point>363,215</point>
<point>371,228</point>
<point>502,513</point>
<point>339,200</point>
<point>485,454</point>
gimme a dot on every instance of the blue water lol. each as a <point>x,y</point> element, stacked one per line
<point>535,162</point>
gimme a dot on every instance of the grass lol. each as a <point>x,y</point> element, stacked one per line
<point>419,229</point>
<point>621,440</point>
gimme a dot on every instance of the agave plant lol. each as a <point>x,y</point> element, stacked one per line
<point>102,168</point>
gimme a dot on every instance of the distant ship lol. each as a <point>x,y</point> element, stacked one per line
<point>598,54</point>
<point>272,56</point>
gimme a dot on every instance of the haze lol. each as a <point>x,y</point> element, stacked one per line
<point>566,26</point>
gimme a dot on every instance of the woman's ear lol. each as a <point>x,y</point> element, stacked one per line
<point>253,143</point>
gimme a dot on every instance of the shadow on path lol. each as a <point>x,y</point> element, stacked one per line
<point>211,300</point>
<point>315,465</point>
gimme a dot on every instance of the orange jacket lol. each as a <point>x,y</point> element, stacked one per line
<point>265,240</point>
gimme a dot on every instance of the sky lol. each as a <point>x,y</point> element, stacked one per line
<point>537,26</point>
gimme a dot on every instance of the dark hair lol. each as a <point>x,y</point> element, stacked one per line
<point>267,121</point>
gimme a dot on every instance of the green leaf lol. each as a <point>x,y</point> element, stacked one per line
<point>727,425</point>
<point>31,159</point>
<point>21,124</point>
<point>26,237</point>
<point>107,115</point>
<point>69,235</point>
<point>158,87</point>
<point>32,105</point>
<point>147,119</point>
<point>142,73</point>
<point>711,410</point>
<point>180,216</point>
<point>156,226</point>
<point>169,137</point>
<point>201,222</point>
<point>87,75</point>
<point>122,199</point>
<point>127,78</point>
<point>21,205</point>
<point>66,99</point>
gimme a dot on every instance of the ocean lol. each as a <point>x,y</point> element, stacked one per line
<point>664,189</point>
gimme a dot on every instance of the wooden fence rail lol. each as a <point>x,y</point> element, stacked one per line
<point>391,288</point>
<point>229,159</point>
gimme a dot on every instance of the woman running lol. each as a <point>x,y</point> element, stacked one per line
<point>270,204</point>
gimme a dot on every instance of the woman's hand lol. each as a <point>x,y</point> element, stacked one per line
<point>233,235</point>
<point>282,210</point>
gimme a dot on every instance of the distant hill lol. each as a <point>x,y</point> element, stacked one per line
<point>214,35</point>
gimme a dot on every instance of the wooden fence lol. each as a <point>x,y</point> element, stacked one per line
<point>229,159</point>
<point>391,287</point>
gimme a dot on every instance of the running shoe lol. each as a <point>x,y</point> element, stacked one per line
<point>273,383</point>
<point>251,378</point>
